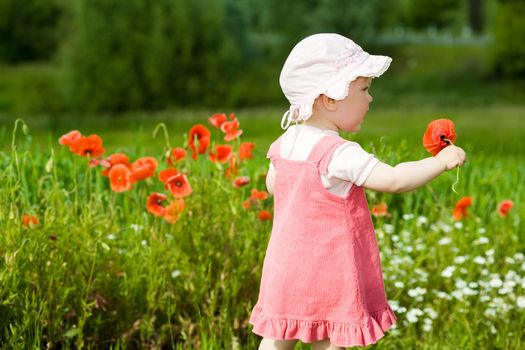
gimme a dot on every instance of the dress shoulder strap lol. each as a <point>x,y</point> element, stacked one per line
<point>322,151</point>
<point>274,149</point>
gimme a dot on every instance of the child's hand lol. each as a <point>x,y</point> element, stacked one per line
<point>452,156</point>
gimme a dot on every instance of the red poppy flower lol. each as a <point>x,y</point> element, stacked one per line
<point>174,210</point>
<point>120,178</point>
<point>241,181</point>
<point>245,150</point>
<point>166,174</point>
<point>217,119</point>
<point>231,129</point>
<point>440,133</point>
<point>256,194</point>
<point>29,220</point>
<point>246,204</point>
<point>504,207</point>
<point>460,210</point>
<point>222,153</point>
<point>114,159</point>
<point>69,138</point>
<point>143,168</point>
<point>90,146</point>
<point>264,215</point>
<point>380,209</point>
<point>179,186</point>
<point>233,169</point>
<point>200,134</point>
<point>154,204</point>
<point>175,155</point>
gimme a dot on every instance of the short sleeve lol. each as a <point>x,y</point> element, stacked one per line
<point>350,162</point>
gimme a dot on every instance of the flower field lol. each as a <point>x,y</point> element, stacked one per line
<point>105,245</point>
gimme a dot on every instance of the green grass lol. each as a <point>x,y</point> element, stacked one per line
<point>110,279</point>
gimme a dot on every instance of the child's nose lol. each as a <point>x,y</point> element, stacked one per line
<point>370,98</point>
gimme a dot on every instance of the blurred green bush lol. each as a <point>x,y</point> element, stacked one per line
<point>29,29</point>
<point>508,44</point>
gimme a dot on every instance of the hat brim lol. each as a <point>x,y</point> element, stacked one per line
<point>373,66</point>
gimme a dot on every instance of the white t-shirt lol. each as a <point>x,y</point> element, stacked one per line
<point>350,164</point>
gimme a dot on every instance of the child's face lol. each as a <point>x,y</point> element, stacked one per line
<point>351,111</point>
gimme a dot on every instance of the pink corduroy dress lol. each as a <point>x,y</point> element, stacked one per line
<point>321,276</point>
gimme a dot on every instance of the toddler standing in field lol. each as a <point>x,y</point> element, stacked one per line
<point>321,280</point>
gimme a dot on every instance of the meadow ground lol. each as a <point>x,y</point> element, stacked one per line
<point>98,270</point>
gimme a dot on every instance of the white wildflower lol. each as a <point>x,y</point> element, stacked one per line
<point>421,220</point>
<point>520,302</point>
<point>111,236</point>
<point>468,291</point>
<point>447,272</point>
<point>399,284</point>
<point>460,284</point>
<point>519,256</point>
<point>136,227</point>
<point>413,314</point>
<point>445,241</point>
<point>457,294</point>
<point>489,252</point>
<point>388,228</point>
<point>431,313</point>
<point>484,298</point>
<point>395,238</point>
<point>490,312</point>
<point>480,260</point>
<point>144,242</point>
<point>509,260</point>
<point>481,240</point>
<point>417,291</point>
<point>504,290</point>
<point>460,259</point>
<point>482,230</point>
<point>175,273</point>
<point>496,282</point>
<point>408,216</point>
<point>458,225</point>
<point>473,285</point>
<point>442,295</point>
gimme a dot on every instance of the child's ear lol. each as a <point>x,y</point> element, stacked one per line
<point>328,103</point>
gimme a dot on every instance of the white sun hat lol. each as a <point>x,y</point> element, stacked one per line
<point>324,63</point>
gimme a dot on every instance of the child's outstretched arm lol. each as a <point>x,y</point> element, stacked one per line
<point>408,176</point>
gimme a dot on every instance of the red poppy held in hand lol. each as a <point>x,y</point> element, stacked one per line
<point>154,204</point>
<point>439,134</point>
<point>460,210</point>
<point>504,207</point>
<point>200,134</point>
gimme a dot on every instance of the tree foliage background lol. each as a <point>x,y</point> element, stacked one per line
<point>115,55</point>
